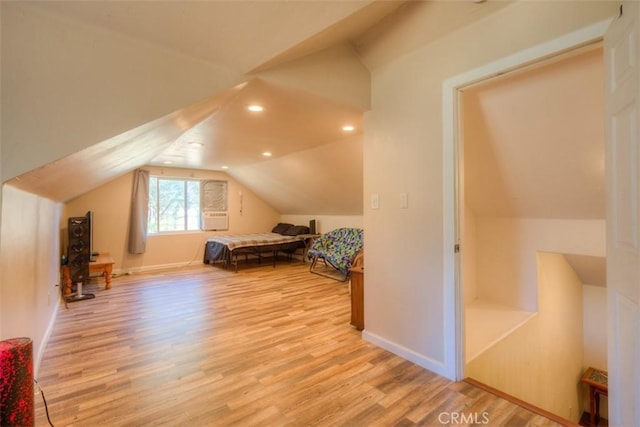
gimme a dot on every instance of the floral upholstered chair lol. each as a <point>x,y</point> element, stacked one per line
<point>336,249</point>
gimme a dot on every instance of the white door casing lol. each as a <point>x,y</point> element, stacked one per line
<point>453,305</point>
<point>622,50</point>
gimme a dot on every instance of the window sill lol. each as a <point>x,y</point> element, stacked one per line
<point>174,233</point>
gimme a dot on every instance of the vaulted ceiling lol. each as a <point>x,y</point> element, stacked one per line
<point>240,35</point>
<point>307,63</point>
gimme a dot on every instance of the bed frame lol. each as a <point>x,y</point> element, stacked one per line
<point>227,248</point>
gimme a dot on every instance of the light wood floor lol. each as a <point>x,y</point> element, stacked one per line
<point>262,347</point>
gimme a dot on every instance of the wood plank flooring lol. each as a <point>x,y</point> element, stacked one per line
<point>204,346</point>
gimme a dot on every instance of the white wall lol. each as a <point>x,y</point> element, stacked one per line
<point>469,252</point>
<point>111,206</point>
<point>541,362</point>
<point>314,73</point>
<point>509,272</point>
<point>506,254</point>
<point>324,223</point>
<point>403,153</point>
<point>29,267</point>
<point>595,327</point>
<point>595,336</point>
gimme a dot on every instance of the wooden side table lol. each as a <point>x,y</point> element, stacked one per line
<point>597,381</point>
<point>103,265</point>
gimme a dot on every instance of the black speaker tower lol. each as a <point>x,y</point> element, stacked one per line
<point>79,255</point>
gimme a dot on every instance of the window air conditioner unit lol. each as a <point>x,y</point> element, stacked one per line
<point>215,221</point>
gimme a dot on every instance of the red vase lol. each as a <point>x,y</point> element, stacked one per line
<point>16,382</point>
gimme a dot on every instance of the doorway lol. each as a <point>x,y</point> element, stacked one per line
<point>523,298</point>
<point>532,150</point>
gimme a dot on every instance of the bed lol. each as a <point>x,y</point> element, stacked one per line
<point>284,237</point>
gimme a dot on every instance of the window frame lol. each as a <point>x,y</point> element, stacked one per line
<point>185,205</point>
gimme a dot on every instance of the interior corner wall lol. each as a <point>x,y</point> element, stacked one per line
<point>506,254</point>
<point>29,267</point>
<point>595,336</point>
<point>111,204</point>
<point>595,327</point>
<point>541,362</point>
<point>403,153</point>
<point>325,223</point>
<point>315,73</point>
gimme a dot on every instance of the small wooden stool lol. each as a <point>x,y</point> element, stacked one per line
<point>597,381</point>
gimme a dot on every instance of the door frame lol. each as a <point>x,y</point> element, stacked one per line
<point>453,297</point>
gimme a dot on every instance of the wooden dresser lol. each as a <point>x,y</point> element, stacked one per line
<point>357,297</point>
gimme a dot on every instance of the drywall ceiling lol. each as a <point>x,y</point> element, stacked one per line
<point>233,136</point>
<point>391,36</point>
<point>240,35</point>
<point>304,61</point>
<point>534,141</point>
<point>285,56</point>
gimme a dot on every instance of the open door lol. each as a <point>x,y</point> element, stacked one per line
<point>622,56</point>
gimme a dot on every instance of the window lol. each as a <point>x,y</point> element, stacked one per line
<point>174,205</point>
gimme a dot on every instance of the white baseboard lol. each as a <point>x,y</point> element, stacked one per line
<point>419,359</point>
<point>147,268</point>
<point>37,359</point>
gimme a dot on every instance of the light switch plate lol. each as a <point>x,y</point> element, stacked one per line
<point>375,201</point>
<point>404,200</point>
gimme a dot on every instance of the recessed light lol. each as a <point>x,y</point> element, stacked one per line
<point>266,154</point>
<point>255,108</point>
<point>348,128</point>
<point>224,167</point>
<point>196,144</point>
<point>167,162</point>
